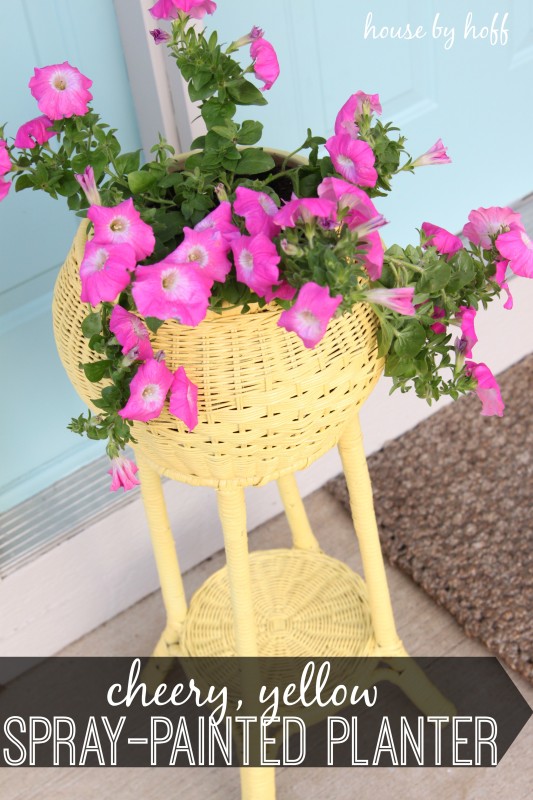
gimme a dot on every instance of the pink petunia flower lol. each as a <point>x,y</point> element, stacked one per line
<point>438,313</point>
<point>373,255</point>
<point>88,184</point>
<point>130,332</point>
<point>305,209</point>
<point>310,315</point>
<point>36,131</point>
<point>123,474</point>
<point>5,166</point>
<point>266,66</point>
<point>61,91</point>
<point>248,38</point>
<point>123,224</point>
<point>283,291</point>
<point>148,391</point>
<point>5,160</point>
<point>487,389</point>
<point>256,262</point>
<point>207,249</point>
<point>159,36</point>
<point>220,220</point>
<point>105,271</point>
<point>361,208</point>
<point>517,248</point>
<point>169,9</point>
<point>258,210</point>
<point>352,111</point>
<point>499,278</point>
<point>399,300</point>
<point>353,159</point>
<point>486,223</point>
<point>442,240</point>
<point>4,188</point>
<point>172,291</point>
<point>435,155</point>
<point>466,316</point>
<point>184,399</point>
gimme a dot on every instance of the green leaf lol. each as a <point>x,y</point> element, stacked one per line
<point>154,323</point>
<point>23,182</point>
<point>250,132</point>
<point>254,161</point>
<point>91,325</point>
<point>245,93</point>
<point>385,335</point>
<point>128,162</point>
<point>216,111</point>
<point>95,372</point>
<point>141,180</point>
<point>410,340</point>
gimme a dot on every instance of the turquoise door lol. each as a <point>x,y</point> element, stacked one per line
<point>475,95</point>
<point>37,400</point>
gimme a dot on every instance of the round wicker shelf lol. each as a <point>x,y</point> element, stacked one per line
<point>306,604</point>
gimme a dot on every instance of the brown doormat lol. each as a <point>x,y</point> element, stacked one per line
<point>453,500</point>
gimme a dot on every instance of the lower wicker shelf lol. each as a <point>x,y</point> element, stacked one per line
<point>305,604</point>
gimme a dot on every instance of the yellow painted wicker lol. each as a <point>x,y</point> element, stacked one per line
<point>305,604</point>
<point>267,405</point>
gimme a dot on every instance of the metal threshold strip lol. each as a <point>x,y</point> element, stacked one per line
<point>58,513</point>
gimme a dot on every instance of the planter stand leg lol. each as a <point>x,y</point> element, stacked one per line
<point>303,537</point>
<point>257,783</point>
<point>401,670</point>
<point>362,506</point>
<point>166,560</point>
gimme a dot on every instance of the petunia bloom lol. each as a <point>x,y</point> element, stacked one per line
<point>167,290</point>
<point>130,332</point>
<point>5,166</point>
<point>105,271</point>
<point>487,389</point>
<point>248,38</point>
<point>310,315</point>
<point>435,155</point>
<point>372,258</point>
<point>219,220</point>
<point>442,240</point>
<point>305,209</point>
<point>486,223</point>
<point>256,262</point>
<point>36,131</point>
<point>5,161</point>
<point>184,399</point>
<point>169,9</point>
<point>4,188</point>
<point>399,300</point>
<point>352,111</point>
<point>159,36</point>
<point>466,316</point>
<point>123,224</point>
<point>207,249</point>
<point>88,184</point>
<point>499,278</point>
<point>517,248</point>
<point>148,391</point>
<point>266,66</point>
<point>61,91</point>
<point>283,291</point>
<point>353,159</point>
<point>258,210</point>
<point>438,313</point>
<point>123,474</point>
<point>357,205</point>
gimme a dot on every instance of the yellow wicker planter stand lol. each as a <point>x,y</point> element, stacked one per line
<point>268,407</point>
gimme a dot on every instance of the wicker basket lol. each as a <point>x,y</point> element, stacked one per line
<point>267,405</point>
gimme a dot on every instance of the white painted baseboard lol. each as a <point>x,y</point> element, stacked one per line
<point>90,578</point>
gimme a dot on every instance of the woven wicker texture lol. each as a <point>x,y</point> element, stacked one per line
<point>305,604</point>
<point>267,405</point>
